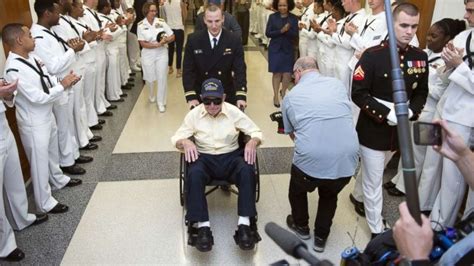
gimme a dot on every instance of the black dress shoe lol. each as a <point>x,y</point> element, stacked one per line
<point>84,159</point>
<point>388,185</point>
<point>116,101</point>
<point>107,113</point>
<point>243,237</point>
<point>73,170</point>
<point>74,182</point>
<point>40,218</point>
<point>15,255</point>
<point>358,206</point>
<point>393,191</point>
<point>111,107</point>
<point>131,80</point>
<point>59,208</point>
<point>127,87</point>
<point>204,240</point>
<point>123,95</point>
<point>96,127</point>
<point>132,74</point>
<point>101,121</point>
<point>95,139</point>
<point>90,146</point>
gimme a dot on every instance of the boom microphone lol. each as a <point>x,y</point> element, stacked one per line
<point>291,244</point>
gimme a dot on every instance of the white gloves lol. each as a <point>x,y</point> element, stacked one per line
<point>392,117</point>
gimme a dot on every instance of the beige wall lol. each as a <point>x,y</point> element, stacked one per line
<point>448,9</point>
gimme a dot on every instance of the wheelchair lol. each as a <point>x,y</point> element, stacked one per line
<point>215,185</point>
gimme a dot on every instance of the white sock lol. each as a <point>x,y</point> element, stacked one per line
<point>243,220</point>
<point>203,224</point>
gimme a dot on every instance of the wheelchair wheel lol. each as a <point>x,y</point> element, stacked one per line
<point>257,179</point>
<point>182,180</point>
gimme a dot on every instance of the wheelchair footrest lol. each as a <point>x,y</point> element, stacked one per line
<point>253,234</point>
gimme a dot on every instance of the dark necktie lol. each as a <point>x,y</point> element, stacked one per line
<point>214,40</point>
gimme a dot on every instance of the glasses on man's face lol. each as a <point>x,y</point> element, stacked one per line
<point>208,101</point>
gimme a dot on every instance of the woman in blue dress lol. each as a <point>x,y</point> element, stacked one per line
<point>282,28</point>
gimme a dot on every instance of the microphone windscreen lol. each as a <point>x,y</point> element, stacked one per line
<point>284,239</point>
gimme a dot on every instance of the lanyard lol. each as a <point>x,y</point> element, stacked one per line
<point>72,25</point>
<point>40,72</point>
<point>96,17</point>
<point>349,18</point>
<point>468,50</point>
<point>104,16</point>
<point>366,26</point>
<point>59,39</point>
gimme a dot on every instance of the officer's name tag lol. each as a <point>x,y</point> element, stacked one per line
<point>227,51</point>
<point>198,51</point>
<point>377,37</point>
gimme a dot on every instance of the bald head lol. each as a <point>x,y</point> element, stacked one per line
<point>305,63</point>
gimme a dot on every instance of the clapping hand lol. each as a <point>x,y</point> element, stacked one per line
<point>69,80</point>
<point>350,28</point>
<point>451,55</point>
<point>7,89</point>
<point>285,28</point>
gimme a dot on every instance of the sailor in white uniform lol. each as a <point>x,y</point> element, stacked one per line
<point>37,92</point>
<point>58,57</point>
<point>155,54</point>
<point>114,82</point>
<point>11,183</point>
<point>67,30</point>
<point>92,20</point>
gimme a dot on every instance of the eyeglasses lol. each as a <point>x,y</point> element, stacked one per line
<point>208,101</point>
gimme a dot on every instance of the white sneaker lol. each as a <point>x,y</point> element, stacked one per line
<point>161,108</point>
<point>151,99</point>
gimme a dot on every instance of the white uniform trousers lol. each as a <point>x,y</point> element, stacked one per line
<point>40,143</point>
<point>101,67</point>
<point>373,163</point>
<point>113,87</point>
<point>13,203</point>
<point>133,49</point>
<point>62,109</point>
<point>303,46</point>
<point>419,152</point>
<point>124,64</point>
<point>155,69</point>
<point>89,89</point>
<point>430,177</point>
<point>342,70</point>
<point>81,132</point>
<point>452,189</point>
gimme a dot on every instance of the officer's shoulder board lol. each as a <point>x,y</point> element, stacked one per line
<point>38,37</point>
<point>140,23</point>
<point>161,20</point>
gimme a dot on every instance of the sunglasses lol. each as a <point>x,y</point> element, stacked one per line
<point>208,101</point>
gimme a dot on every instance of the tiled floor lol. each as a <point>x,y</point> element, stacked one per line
<point>127,210</point>
<point>140,222</point>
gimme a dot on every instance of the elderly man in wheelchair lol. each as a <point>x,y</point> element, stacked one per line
<point>215,154</point>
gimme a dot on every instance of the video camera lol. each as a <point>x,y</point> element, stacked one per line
<point>278,117</point>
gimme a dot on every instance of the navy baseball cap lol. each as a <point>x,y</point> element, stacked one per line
<point>212,88</point>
